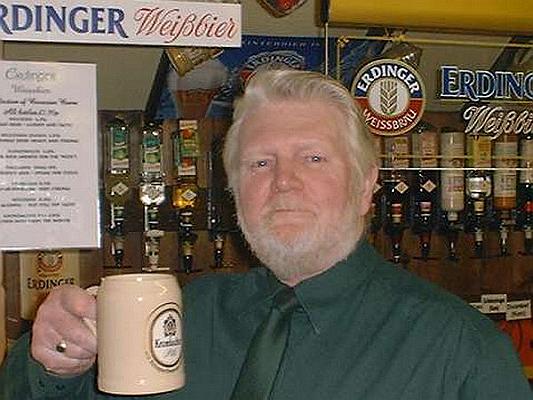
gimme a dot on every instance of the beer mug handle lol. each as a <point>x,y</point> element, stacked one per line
<point>91,323</point>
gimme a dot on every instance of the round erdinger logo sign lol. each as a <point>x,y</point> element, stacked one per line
<point>391,96</point>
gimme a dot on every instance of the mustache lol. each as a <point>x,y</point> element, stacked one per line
<point>286,205</point>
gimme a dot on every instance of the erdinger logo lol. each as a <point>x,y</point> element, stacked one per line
<point>49,263</point>
<point>281,59</point>
<point>391,96</point>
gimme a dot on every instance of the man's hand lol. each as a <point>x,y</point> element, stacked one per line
<point>60,319</point>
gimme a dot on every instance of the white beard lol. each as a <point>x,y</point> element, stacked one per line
<point>307,253</point>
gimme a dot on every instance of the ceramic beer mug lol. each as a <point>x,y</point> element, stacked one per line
<point>139,333</point>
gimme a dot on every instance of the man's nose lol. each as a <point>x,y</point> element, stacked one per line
<point>286,176</point>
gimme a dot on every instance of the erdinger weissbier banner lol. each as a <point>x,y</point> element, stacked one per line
<point>159,23</point>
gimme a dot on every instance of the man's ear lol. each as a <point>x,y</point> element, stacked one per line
<point>365,199</point>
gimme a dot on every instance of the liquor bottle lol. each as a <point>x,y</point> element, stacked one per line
<point>376,208</point>
<point>425,149</point>
<point>214,201</point>
<point>452,184</point>
<point>152,193</point>
<point>525,192</point>
<point>396,192</point>
<point>504,202</point>
<point>478,189</point>
<point>117,184</point>
<point>187,239</point>
<point>3,335</point>
<point>219,250</point>
<point>185,196</point>
<point>186,149</point>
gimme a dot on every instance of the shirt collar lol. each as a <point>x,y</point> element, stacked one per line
<point>330,288</point>
<point>326,289</point>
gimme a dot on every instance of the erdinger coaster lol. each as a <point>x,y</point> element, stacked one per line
<point>391,96</point>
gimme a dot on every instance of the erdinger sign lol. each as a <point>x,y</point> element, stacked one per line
<point>391,96</point>
<point>480,85</point>
<point>173,23</point>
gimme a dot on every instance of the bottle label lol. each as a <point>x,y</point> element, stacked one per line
<point>452,149</point>
<point>425,149</point>
<point>452,182</point>
<point>505,154</point>
<point>152,194</point>
<point>187,249</point>
<point>479,151</point>
<point>189,143</point>
<point>401,187</point>
<point>165,337</point>
<point>120,189</point>
<point>176,155</point>
<point>505,184</point>
<point>526,154</point>
<point>119,148</point>
<point>396,213</point>
<point>478,186</point>
<point>453,189</point>
<point>429,186</point>
<point>151,154</point>
<point>397,149</point>
<point>184,196</point>
<point>425,208</point>
<point>117,189</point>
<point>505,179</point>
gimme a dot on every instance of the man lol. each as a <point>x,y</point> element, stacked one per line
<point>301,167</point>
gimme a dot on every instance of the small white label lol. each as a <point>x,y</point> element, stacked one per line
<point>518,310</point>
<point>165,337</point>
<point>120,188</point>
<point>188,195</point>
<point>494,303</point>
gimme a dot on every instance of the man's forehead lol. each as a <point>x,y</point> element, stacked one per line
<point>264,142</point>
<point>291,118</point>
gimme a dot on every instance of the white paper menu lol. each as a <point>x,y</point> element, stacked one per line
<point>48,156</point>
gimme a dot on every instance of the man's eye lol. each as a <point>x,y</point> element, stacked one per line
<point>260,164</point>
<point>315,158</point>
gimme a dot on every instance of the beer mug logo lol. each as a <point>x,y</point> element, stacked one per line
<point>164,336</point>
<point>391,96</point>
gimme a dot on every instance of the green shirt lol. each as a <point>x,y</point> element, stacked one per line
<point>368,330</point>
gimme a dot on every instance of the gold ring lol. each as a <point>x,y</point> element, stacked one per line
<point>61,347</point>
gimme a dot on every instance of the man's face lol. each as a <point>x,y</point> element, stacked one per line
<point>294,183</point>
